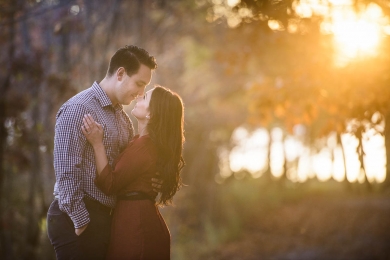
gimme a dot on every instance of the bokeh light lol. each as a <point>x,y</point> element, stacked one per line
<point>251,151</point>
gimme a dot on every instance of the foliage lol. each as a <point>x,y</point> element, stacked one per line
<point>225,76</point>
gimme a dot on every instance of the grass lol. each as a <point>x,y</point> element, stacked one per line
<point>239,209</point>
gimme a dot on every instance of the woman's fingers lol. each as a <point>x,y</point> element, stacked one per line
<point>86,125</point>
<point>88,118</point>
<point>93,122</point>
<point>90,125</point>
<point>99,126</point>
<point>85,132</point>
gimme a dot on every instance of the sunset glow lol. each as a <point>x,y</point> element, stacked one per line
<point>356,32</point>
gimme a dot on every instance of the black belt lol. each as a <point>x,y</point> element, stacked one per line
<point>135,195</point>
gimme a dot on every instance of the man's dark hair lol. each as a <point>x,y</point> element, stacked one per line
<point>130,58</point>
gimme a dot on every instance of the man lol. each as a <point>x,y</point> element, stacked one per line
<point>79,218</point>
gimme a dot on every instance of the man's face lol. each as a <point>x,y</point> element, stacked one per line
<point>133,86</point>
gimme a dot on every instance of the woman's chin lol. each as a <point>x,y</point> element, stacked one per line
<point>137,116</point>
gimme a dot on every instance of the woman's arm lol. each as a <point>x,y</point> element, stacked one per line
<point>93,131</point>
<point>132,162</point>
<point>100,157</point>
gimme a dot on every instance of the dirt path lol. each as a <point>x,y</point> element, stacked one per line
<point>322,227</point>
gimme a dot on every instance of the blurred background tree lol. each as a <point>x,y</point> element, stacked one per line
<point>237,64</point>
<point>334,56</point>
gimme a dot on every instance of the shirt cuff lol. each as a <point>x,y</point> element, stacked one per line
<point>80,218</point>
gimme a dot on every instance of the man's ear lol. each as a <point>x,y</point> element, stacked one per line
<point>120,73</point>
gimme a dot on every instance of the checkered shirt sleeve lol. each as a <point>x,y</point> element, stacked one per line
<point>69,143</point>
<point>74,160</point>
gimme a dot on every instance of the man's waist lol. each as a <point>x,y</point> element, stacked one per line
<point>91,203</point>
<point>89,198</point>
<point>92,194</point>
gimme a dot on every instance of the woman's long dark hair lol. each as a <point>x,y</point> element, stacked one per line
<point>165,128</point>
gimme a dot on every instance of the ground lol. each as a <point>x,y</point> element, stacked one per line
<point>341,225</point>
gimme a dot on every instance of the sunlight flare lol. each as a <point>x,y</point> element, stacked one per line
<point>357,32</point>
<point>338,165</point>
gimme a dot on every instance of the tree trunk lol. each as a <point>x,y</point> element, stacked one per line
<point>140,22</point>
<point>111,28</point>
<point>5,233</point>
<point>387,146</point>
<point>268,174</point>
<point>33,209</point>
<point>360,152</point>
<point>283,178</point>
<point>32,227</point>
<point>347,184</point>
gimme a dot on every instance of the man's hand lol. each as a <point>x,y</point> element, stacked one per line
<point>157,183</point>
<point>79,231</point>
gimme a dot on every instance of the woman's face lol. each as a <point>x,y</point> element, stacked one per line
<point>141,108</point>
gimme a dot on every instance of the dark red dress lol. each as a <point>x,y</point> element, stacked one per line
<point>138,230</point>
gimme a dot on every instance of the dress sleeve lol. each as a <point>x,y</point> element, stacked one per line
<point>135,160</point>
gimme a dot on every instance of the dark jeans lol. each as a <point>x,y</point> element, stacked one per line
<point>91,244</point>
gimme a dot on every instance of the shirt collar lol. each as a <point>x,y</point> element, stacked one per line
<point>101,95</point>
<point>104,100</point>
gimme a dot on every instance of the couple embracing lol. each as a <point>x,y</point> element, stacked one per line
<point>107,179</point>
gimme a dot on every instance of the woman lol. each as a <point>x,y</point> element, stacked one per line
<point>138,230</point>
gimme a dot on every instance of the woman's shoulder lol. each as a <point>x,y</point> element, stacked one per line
<point>143,141</point>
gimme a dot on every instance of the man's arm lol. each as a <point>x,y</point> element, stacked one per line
<point>69,144</point>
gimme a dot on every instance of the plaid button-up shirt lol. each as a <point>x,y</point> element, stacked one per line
<point>74,160</point>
